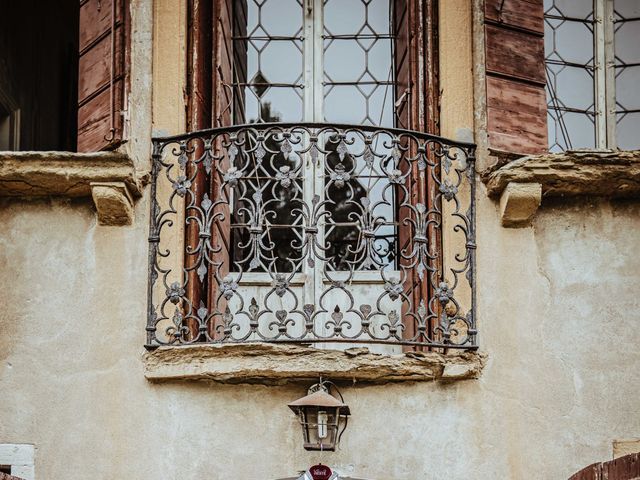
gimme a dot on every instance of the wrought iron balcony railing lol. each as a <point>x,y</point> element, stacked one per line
<point>312,233</point>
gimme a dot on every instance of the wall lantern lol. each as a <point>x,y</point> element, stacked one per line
<point>322,415</point>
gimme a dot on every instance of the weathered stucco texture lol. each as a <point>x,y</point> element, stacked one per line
<point>558,313</point>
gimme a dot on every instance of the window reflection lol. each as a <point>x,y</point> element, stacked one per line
<point>357,86</point>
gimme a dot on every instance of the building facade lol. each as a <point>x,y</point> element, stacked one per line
<point>432,204</point>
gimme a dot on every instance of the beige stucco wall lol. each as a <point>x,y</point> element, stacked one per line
<point>557,313</point>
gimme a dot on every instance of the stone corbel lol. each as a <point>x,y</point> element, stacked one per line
<point>113,203</point>
<point>519,203</point>
<point>109,178</point>
<point>521,184</point>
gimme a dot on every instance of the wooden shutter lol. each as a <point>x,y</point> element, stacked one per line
<point>515,76</point>
<point>223,54</point>
<point>230,19</point>
<point>416,65</point>
<point>199,103</point>
<point>102,73</point>
<point>417,108</point>
<point>210,74</point>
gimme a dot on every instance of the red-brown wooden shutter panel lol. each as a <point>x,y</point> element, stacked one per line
<point>102,73</point>
<point>417,99</point>
<point>515,76</point>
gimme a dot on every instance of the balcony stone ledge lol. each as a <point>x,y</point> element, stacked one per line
<point>278,364</point>
<point>109,178</point>
<point>521,184</point>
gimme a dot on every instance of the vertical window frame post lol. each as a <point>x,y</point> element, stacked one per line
<point>604,81</point>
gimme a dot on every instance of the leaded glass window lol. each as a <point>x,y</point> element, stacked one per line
<point>314,61</point>
<point>592,53</point>
<point>322,61</point>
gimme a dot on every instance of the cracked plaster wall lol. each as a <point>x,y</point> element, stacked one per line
<point>558,310</point>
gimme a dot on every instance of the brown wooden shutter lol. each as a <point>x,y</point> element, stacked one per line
<point>401,64</point>
<point>210,74</point>
<point>220,98</point>
<point>199,104</point>
<point>223,54</point>
<point>102,73</point>
<point>416,65</point>
<point>417,108</point>
<point>515,76</point>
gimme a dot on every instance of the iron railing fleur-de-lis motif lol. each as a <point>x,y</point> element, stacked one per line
<point>312,233</point>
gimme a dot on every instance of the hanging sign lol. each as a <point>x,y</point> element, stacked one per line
<point>320,472</point>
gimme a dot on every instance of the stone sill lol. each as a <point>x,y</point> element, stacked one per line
<point>521,184</point>
<point>277,364</point>
<point>109,178</point>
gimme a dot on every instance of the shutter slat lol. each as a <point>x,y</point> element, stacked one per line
<point>94,66</point>
<point>95,20</point>
<point>526,14</point>
<point>516,115</point>
<point>95,116</point>
<point>515,54</point>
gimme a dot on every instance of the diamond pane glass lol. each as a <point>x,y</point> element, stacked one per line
<point>627,72</point>
<point>358,62</point>
<point>268,78</point>
<point>570,69</point>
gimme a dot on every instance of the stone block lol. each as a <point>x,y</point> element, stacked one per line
<point>519,203</point>
<point>280,364</point>
<point>625,447</point>
<point>113,203</point>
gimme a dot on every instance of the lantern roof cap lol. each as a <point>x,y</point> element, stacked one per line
<point>320,399</point>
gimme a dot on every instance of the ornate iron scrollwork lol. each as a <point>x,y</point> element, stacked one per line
<point>372,241</point>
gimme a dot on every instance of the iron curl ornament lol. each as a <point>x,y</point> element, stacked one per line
<point>315,234</point>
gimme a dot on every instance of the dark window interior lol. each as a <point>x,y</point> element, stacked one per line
<point>38,74</point>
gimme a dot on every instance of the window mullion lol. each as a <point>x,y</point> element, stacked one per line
<point>308,6</point>
<point>318,116</point>
<point>600,74</point>
<point>318,62</point>
<point>309,116</point>
<point>610,74</point>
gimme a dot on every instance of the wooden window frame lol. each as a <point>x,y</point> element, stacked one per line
<point>210,49</point>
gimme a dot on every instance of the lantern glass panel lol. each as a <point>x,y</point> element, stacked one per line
<point>320,427</point>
